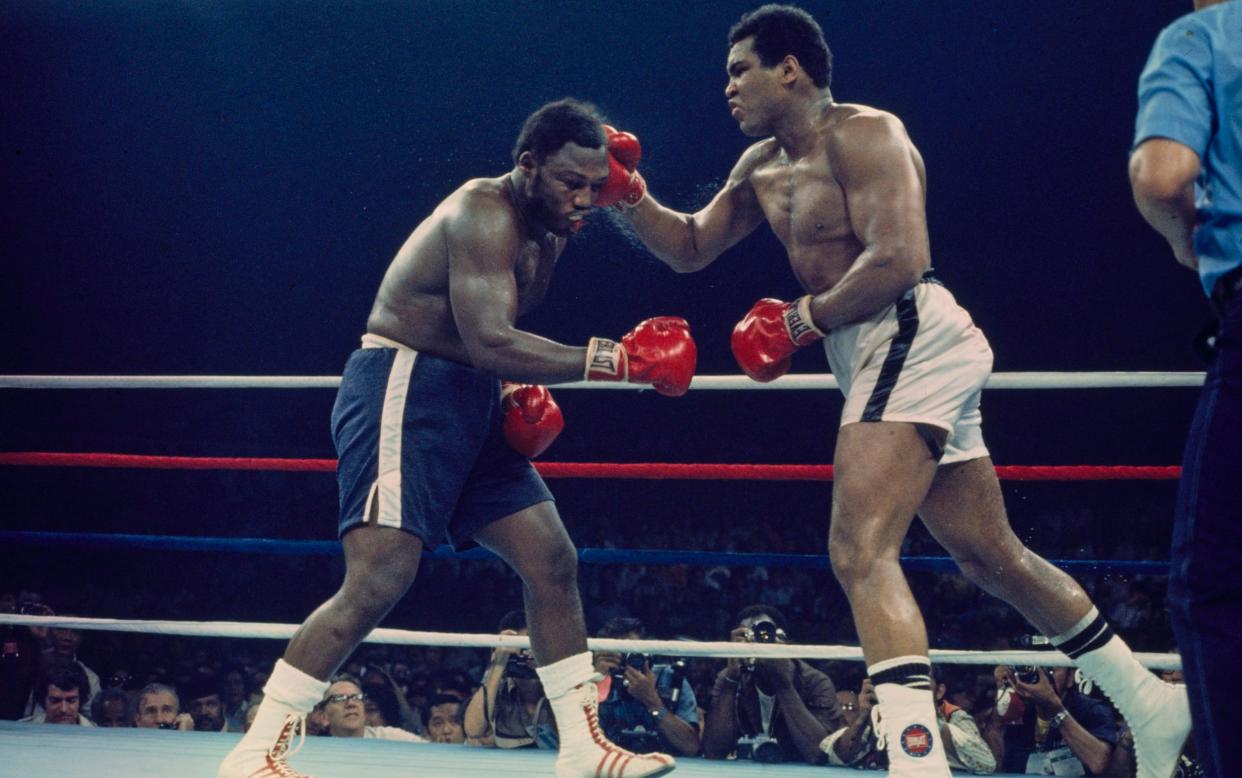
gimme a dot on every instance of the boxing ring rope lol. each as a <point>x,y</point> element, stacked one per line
<point>649,470</point>
<point>630,470</point>
<point>717,649</point>
<point>1020,380</point>
<point>602,556</point>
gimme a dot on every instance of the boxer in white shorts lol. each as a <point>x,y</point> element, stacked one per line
<point>920,360</point>
<point>844,189</point>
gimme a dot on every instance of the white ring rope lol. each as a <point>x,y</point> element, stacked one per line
<point>238,629</point>
<point>1024,380</point>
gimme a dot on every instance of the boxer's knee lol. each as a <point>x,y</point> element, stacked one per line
<point>554,567</point>
<point>858,556</point>
<point>381,563</point>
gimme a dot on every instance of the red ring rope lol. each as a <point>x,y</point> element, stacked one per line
<point>642,470</point>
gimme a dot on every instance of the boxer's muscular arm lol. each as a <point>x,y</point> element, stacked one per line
<point>483,245</point>
<point>872,160</point>
<point>689,242</point>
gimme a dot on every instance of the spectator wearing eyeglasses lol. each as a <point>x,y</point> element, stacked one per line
<point>344,705</point>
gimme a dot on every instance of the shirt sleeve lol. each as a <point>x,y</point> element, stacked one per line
<point>394,733</point>
<point>687,704</point>
<point>820,696</point>
<point>1096,717</point>
<point>1174,91</point>
<point>827,745</point>
<point>972,749</point>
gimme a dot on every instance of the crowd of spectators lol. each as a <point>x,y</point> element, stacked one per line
<point>992,718</point>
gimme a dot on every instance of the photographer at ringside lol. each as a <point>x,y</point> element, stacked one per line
<point>769,710</point>
<point>644,706</point>
<point>509,709</point>
<point>1051,725</point>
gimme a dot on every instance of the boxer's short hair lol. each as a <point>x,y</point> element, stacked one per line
<point>779,30</point>
<point>555,124</point>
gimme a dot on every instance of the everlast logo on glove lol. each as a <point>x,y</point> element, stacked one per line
<point>605,361</point>
<point>801,326</point>
<point>658,351</point>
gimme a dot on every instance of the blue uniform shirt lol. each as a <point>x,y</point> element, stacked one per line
<point>1191,92</point>
<point>621,712</point>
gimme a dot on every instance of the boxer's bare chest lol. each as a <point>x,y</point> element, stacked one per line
<point>533,270</point>
<point>806,208</point>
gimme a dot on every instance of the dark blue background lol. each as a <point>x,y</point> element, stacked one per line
<point>216,188</point>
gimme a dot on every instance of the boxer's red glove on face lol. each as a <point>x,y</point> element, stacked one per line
<point>532,418</point>
<point>773,330</point>
<point>625,188</point>
<point>658,351</point>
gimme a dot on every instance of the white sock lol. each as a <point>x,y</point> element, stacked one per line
<point>288,692</point>
<point>561,676</point>
<point>1108,662</point>
<point>908,716</point>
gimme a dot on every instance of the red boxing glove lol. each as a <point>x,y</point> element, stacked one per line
<point>658,351</point>
<point>532,418</point>
<point>773,330</point>
<point>625,188</point>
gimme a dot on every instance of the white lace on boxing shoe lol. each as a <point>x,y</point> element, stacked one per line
<point>587,753</point>
<point>271,762</point>
<point>1160,736</point>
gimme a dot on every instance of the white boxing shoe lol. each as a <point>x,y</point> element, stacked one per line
<point>586,753</point>
<point>1160,736</point>
<point>252,758</point>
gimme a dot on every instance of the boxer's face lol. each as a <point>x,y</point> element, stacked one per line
<point>565,185</point>
<point>752,89</point>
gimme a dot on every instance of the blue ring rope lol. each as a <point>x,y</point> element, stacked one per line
<point>603,556</point>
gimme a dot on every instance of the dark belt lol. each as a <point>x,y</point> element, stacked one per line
<point>1227,287</point>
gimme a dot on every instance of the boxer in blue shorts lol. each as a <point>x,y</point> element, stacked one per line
<point>843,188</point>
<point>432,444</point>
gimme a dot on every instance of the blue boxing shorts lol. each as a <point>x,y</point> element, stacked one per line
<point>420,446</point>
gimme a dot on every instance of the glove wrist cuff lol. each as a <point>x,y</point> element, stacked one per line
<point>636,194</point>
<point>606,361</point>
<point>800,324</point>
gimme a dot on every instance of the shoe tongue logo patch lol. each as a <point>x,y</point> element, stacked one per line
<point>916,740</point>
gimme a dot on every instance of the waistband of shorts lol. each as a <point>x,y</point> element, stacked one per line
<point>371,340</point>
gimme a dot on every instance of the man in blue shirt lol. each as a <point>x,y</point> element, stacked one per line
<point>644,704</point>
<point>1186,172</point>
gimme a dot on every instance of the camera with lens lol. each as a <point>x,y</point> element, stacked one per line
<point>764,632</point>
<point>636,660</point>
<point>520,667</point>
<point>639,740</point>
<point>1026,673</point>
<point>1036,642</point>
<point>761,632</point>
<point>760,748</point>
<point>166,725</point>
<point>1029,673</point>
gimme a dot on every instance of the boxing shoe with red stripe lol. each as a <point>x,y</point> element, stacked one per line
<point>586,753</point>
<point>249,761</point>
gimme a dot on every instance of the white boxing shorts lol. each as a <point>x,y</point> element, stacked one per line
<point>920,360</point>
